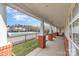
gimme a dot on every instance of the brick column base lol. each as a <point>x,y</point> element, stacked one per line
<point>66,46</point>
<point>50,37</point>
<point>41,41</point>
<point>57,34</point>
<point>6,50</point>
<point>54,35</point>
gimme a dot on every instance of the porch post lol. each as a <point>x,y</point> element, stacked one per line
<point>54,34</point>
<point>57,32</point>
<point>41,37</point>
<point>5,48</point>
<point>50,36</point>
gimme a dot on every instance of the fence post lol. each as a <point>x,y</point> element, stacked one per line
<point>25,37</point>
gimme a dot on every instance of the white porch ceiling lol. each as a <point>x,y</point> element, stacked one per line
<point>54,13</point>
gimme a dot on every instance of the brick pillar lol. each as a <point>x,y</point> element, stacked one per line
<point>57,34</point>
<point>66,46</point>
<point>41,41</point>
<point>6,50</point>
<point>54,35</point>
<point>50,37</point>
<point>41,37</point>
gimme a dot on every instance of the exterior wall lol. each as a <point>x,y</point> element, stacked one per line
<point>72,47</point>
<point>5,48</point>
<point>66,32</point>
<point>3,29</point>
<point>66,46</point>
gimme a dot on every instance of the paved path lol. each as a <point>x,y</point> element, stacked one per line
<point>54,48</point>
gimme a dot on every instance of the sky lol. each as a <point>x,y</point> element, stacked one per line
<point>16,17</point>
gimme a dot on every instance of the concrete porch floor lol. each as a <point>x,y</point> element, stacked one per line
<point>53,48</point>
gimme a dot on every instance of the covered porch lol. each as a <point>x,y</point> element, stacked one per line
<point>57,15</point>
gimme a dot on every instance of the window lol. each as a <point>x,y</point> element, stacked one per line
<point>76,32</point>
<point>77,52</point>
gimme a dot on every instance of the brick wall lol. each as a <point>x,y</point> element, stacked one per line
<point>66,46</point>
<point>6,50</point>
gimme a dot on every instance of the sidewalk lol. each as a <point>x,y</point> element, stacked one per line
<point>53,48</point>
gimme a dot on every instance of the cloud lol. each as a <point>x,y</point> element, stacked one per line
<point>20,17</point>
<point>16,14</point>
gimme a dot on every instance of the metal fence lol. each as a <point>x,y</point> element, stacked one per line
<point>21,38</point>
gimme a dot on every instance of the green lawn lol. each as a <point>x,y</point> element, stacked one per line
<point>25,47</point>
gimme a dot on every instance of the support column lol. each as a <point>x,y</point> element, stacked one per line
<point>50,36</point>
<point>57,34</point>
<point>5,48</point>
<point>41,37</point>
<point>54,35</point>
<point>57,31</point>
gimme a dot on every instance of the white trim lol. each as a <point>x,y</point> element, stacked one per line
<point>74,19</point>
<point>3,28</point>
<point>74,44</point>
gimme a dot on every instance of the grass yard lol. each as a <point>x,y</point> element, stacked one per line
<point>25,47</point>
